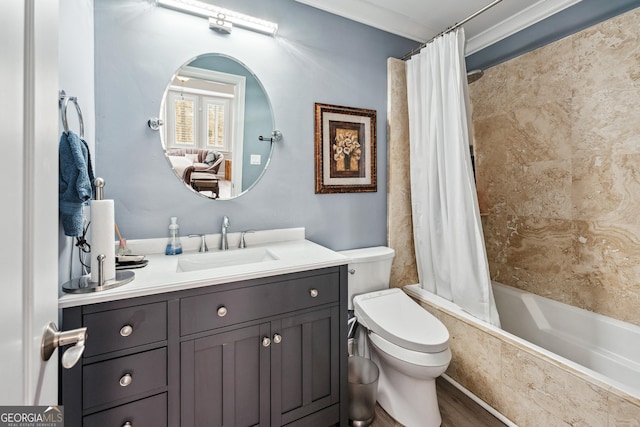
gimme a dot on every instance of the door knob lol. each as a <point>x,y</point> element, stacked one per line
<point>277,338</point>
<point>266,342</point>
<point>52,339</point>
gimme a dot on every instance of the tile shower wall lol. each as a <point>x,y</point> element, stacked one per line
<point>557,145</point>
<point>400,227</point>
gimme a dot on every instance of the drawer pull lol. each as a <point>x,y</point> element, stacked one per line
<point>222,311</point>
<point>126,330</point>
<point>266,342</point>
<point>127,424</point>
<point>277,338</point>
<point>126,380</point>
<point>313,293</point>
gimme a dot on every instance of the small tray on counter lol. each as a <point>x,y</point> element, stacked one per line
<point>129,262</point>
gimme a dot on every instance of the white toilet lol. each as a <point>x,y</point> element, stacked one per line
<point>409,345</point>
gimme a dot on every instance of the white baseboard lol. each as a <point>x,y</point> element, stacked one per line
<point>479,401</point>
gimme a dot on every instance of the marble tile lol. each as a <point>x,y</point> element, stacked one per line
<point>541,244</point>
<point>489,94</point>
<point>480,370</point>
<point>536,387</point>
<point>541,76</point>
<point>541,132</point>
<point>493,175</point>
<point>553,285</point>
<point>607,294</point>
<point>497,231</point>
<point>623,412</point>
<point>605,121</point>
<point>541,189</point>
<point>400,231</point>
<point>608,54</point>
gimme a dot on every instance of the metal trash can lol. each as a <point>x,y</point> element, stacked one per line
<point>363,389</point>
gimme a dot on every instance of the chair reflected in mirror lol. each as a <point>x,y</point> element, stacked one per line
<point>198,168</point>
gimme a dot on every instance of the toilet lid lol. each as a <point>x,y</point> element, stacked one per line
<point>398,319</point>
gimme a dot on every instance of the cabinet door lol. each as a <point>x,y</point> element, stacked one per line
<point>304,365</point>
<point>225,379</point>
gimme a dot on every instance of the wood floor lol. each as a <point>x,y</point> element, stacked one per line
<point>457,410</point>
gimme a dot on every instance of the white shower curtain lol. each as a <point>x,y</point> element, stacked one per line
<point>450,251</point>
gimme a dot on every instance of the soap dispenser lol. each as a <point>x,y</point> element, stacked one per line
<point>174,247</point>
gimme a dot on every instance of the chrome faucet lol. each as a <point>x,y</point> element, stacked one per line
<point>203,242</point>
<point>243,244</point>
<point>224,243</point>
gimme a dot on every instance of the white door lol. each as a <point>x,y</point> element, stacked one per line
<point>29,192</point>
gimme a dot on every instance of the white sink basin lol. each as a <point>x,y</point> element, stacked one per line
<point>209,260</point>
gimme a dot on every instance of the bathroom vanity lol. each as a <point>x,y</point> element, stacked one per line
<point>209,347</point>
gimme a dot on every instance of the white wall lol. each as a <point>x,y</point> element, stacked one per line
<point>76,76</point>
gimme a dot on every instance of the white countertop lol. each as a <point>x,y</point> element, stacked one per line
<point>293,251</point>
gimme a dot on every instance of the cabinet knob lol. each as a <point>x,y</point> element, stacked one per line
<point>127,424</point>
<point>313,293</point>
<point>126,380</point>
<point>222,311</point>
<point>277,338</point>
<point>266,342</point>
<point>126,330</point>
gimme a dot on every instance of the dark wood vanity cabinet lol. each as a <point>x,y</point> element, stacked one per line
<point>263,352</point>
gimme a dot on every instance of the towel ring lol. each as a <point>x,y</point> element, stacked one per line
<point>64,102</point>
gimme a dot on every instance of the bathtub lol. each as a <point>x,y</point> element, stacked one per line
<point>604,345</point>
<point>602,351</point>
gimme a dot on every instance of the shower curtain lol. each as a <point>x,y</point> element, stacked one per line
<point>450,251</point>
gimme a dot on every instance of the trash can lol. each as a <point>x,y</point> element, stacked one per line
<point>363,389</point>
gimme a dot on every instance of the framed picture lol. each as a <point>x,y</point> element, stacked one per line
<point>345,149</point>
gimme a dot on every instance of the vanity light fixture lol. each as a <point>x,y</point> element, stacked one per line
<point>220,19</point>
<point>220,24</point>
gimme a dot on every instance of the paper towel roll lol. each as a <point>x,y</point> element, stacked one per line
<point>102,239</point>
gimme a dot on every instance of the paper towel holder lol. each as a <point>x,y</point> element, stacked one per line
<point>84,284</point>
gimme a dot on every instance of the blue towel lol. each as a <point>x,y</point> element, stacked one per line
<point>75,182</point>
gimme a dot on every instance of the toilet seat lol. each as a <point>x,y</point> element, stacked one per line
<point>417,358</point>
<point>393,316</point>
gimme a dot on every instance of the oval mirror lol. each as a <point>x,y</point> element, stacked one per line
<point>214,110</point>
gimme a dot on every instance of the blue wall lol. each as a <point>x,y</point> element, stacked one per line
<point>315,57</point>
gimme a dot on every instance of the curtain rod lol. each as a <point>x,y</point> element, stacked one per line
<point>451,28</point>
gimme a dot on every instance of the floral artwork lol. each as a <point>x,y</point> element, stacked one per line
<point>345,149</point>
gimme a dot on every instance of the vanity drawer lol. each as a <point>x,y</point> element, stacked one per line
<point>150,412</point>
<point>126,327</point>
<point>204,312</point>
<point>125,377</point>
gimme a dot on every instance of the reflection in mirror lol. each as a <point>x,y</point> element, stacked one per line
<point>214,110</point>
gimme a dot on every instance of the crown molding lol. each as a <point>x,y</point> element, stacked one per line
<point>523,19</point>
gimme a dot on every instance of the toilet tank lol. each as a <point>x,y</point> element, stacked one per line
<point>369,270</point>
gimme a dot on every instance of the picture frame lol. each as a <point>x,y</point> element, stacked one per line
<point>345,149</point>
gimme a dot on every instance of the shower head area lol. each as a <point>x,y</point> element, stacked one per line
<point>474,75</point>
